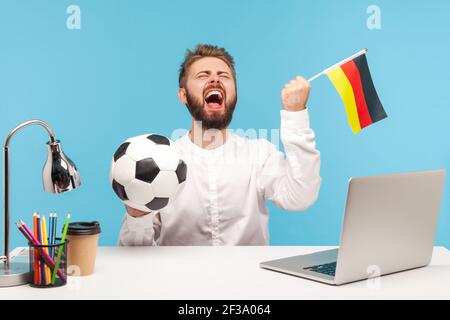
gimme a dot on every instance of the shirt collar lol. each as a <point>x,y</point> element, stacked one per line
<point>197,149</point>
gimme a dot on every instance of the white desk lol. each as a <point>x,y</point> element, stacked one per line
<point>227,273</point>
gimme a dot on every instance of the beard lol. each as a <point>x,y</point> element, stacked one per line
<point>214,120</point>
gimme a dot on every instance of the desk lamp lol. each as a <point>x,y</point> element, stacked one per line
<point>59,175</point>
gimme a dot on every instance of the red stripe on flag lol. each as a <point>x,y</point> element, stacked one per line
<point>351,71</point>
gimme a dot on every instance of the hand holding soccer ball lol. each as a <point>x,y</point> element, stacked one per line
<point>147,172</point>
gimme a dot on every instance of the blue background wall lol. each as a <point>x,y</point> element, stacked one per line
<point>117,77</point>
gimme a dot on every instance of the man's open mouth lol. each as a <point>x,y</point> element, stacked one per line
<point>214,98</point>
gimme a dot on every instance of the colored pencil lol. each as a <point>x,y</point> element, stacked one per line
<point>63,239</point>
<point>55,228</point>
<point>51,263</point>
<point>39,238</point>
<point>24,232</point>
<point>37,275</point>
<point>45,243</point>
<point>50,231</point>
<point>49,234</point>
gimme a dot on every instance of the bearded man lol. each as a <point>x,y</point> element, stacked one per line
<point>230,177</point>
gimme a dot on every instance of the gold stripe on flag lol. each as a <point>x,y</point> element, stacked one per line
<point>345,90</point>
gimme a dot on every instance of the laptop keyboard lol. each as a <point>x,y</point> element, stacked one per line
<point>328,268</point>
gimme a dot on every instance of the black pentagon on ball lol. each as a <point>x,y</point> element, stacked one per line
<point>119,190</point>
<point>181,171</point>
<point>147,170</point>
<point>156,138</point>
<point>121,150</point>
<point>157,203</point>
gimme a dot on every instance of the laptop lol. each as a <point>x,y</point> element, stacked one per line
<point>389,226</point>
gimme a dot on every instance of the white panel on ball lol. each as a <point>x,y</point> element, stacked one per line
<point>139,192</point>
<point>166,157</point>
<point>140,149</point>
<point>124,170</point>
<point>165,184</point>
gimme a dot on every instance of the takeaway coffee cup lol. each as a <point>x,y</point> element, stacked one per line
<point>82,248</point>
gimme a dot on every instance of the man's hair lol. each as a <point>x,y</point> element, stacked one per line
<point>203,51</point>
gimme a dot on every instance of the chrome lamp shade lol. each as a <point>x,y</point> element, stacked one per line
<point>60,173</point>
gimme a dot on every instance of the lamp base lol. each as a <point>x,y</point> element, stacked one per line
<point>18,274</point>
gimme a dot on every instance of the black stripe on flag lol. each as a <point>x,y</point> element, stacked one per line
<point>374,105</point>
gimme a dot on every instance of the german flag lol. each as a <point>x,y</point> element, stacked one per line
<point>355,86</point>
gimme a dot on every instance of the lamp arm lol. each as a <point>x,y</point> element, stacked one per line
<point>5,258</point>
<point>29,123</point>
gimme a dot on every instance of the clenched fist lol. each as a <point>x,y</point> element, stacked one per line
<point>295,94</point>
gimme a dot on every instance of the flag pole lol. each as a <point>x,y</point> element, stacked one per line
<point>339,63</point>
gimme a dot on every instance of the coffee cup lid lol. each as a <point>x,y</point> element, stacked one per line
<point>83,228</point>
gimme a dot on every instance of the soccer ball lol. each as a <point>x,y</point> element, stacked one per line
<point>147,172</point>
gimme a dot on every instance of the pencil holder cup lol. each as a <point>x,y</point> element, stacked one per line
<point>43,260</point>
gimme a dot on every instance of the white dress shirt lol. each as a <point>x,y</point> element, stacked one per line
<point>223,199</point>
